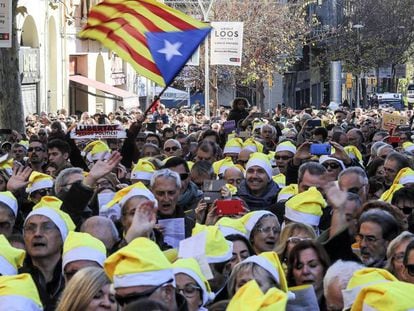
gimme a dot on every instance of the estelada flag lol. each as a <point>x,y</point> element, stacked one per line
<point>154,38</point>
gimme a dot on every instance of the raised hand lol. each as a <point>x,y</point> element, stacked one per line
<point>143,222</point>
<point>101,168</point>
<point>302,153</point>
<point>19,178</point>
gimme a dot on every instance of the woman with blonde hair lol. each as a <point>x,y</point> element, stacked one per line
<point>88,290</point>
<point>395,254</point>
<point>291,235</point>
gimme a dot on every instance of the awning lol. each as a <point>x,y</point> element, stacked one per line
<point>106,88</point>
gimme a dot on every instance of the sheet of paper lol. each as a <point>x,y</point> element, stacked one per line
<point>193,246</point>
<point>174,230</point>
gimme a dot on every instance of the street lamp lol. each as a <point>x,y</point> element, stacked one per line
<point>358,27</point>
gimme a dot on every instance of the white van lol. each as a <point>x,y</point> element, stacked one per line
<point>410,93</point>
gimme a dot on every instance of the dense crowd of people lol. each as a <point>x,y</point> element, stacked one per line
<point>287,210</point>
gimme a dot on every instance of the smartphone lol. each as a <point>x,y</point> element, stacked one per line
<point>320,149</point>
<point>314,123</point>
<point>213,185</point>
<point>229,207</point>
<point>209,197</point>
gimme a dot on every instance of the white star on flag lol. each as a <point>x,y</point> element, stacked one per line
<point>170,50</point>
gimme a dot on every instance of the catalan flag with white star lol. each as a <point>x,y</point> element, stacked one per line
<point>154,38</point>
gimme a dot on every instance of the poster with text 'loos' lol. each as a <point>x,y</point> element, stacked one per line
<point>226,43</point>
<point>5,23</point>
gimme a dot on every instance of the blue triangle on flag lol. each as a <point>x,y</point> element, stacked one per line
<point>172,50</point>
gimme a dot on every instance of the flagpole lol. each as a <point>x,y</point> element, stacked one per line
<point>156,98</point>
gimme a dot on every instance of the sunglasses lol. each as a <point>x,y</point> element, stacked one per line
<point>184,176</point>
<point>296,240</point>
<point>407,210</point>
<point>331,165</point>
<point>127,299</point>
<point>37,149</point>
<point>410,269</point>
<point>168,149</point>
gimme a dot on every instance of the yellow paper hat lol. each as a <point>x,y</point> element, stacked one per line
<point>271,263</point>
<point>230,226</point>
<point>133,190</point>
<point>271,156</point>
<point>232,189</point>
<point>362,278</point>
<point>6,164</point>
<point>385,296</point>
<point>190,164</point>
<point>280,180</point>
<point>11,258</point>
<point>387,195</point>
<point>408,146</point>
<point>253,145</point>
<point>8,199</point>
<point>220,166</point>
<point>251,219</point>
<point>171,254</point>
<point>287,192</point>
<point>217,249</point>
<point>19,292</point>
<point>191,267</point>
<point>257,125</point>
<point>97,150</point>
<point>233,145</point>
<point>83,246</point>
<point>353,153</point>
<point>305,207</point>
<point>50,207</point>
<point>260,159</point>
<point>143,170</point>
<point>141,262</point>
<point>251,298</point>
<point>231,135</point>
<point>286,146</point>
<point>24,143</point>
<point>404,176</point>
<point>39,181</point>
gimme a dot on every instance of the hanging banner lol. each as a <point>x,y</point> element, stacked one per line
<point>226,43</point>
<point>100,131</point>
<point>5,23</point>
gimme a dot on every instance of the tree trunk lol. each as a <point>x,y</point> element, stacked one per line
<point>11,106</point>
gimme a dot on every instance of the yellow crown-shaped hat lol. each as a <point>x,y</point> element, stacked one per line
<point>50,207</point>
<point>362,278</point>
<point>217,248</point>
<point>39,181</point>
<point>83,246</point>
<point>385,296</point>
<point>141,262</point>
<point>286,146</point>
<point>253,145</point>
<point>220,166</point>
<point>271,263</point>
<point>19,292</point>
<point>7,198</point>
<point>233,145</point>
<point>143,170</point>
<point>306,207</point>
<point>191,267</point>
<point>11,258</point>
<point>251,298</point>
<point>230,226</point>
<point>123,195</point>
<point>97,150</point>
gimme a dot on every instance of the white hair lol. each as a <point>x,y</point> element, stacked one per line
<point>375,147</point>
<point>176,142</point>
<point>341,271</point>
<point>166,173</point>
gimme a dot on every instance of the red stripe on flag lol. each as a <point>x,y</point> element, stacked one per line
<point>141,60</point>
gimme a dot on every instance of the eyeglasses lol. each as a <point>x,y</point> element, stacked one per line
<point>296,240</point>
<point>267,230</point>
<point>331,165</point>
<point>41,192</point>
<point>283,158</point>
<point>37,149</point>
<point>127,299</point>
<point>184,176</point>
<point>46,227</point>
<point>189,290</point>
<point>410,269</point>
<point>168,149</point>
<point>368,238</point>
<point>355,189</point>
